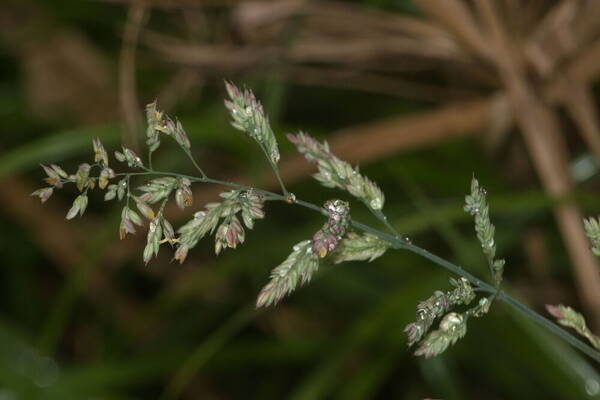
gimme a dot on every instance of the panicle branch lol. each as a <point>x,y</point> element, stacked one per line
<point>248,116</point>
<point>356,247</point>
<point>335,173</point>
<point>436,306</point>
<point>476,205</point>
<point>570,318</point>
<point>230,232</point>
<point>297,269</point>
<point>453,325</point>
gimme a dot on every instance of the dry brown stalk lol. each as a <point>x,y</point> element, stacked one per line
<point>546,145</point>
<point>59,67</point>
<point>582,107</point>
<point>127,88</point>
<point>458,19</point>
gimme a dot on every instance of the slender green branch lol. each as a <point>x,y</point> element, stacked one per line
<point>381,216</point>
<point>275,169</point>
<point>128,189</point>
<point>193,160</point>
<point>278,176</point>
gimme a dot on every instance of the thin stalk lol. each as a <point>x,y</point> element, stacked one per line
<point>398,243</point>
<point>381,216</point>
<point>275,169</point>
<point>193,160</point>
<point>278,176</point>
<point>128,189</point>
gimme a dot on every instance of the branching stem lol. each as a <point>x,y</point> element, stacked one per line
<point>381,216</point>
<point>275,169</point>
<point>398,243</point>
<point>193,160</point>
<point>278,176</point>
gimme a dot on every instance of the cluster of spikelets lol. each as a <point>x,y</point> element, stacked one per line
<point>453,324</point>
<point>230,231</point>
<point>228,219</point>
<point>444,305</point>
<point>476,205</point>
<point>248,116</point>
<point>336,173</point>
<point>241,207</point>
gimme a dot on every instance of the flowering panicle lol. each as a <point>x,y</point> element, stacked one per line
<point>297,269</point>
<point>453,325</point>
<point>477,206</point>
<point>570,318</point>
<point>248,116</point>
<point>230,233</point>
<point>355,247</point>
<point>240,208</point>
<point>335,173</point>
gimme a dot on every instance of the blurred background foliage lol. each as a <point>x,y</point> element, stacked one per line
<point>421,93</point>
